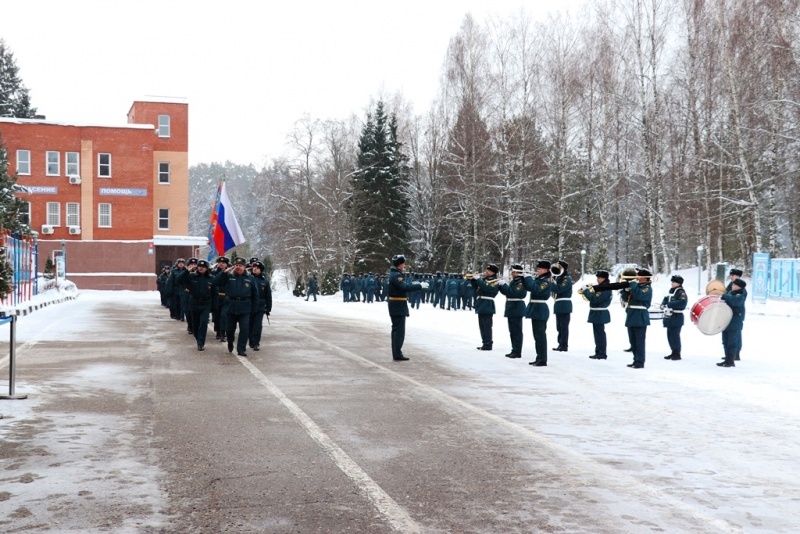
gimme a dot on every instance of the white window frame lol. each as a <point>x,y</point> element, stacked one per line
<point>24,162</point>
<point>163,126</point>
<point>163,172</point>
<point>104,215</point>
<point>25,214</point>
<point>73,213</point>
<point>52,160</point>
<point>53,214</point>
<point>103,166</point>
<point>163,215</point>
<point>72,161</point>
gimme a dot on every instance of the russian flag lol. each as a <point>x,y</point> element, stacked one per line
<point>225,230</point>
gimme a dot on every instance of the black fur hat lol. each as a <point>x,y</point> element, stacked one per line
<point>543,264</point>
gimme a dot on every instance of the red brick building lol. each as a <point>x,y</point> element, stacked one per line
<point>114,198</point>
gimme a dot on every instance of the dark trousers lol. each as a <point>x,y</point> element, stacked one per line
<point>674,338</point>
<point>540,339</point>
<point>600,343</point>
<point>485,322</point>
<point>515,331</point>
<point>243,321</point>
<point>562,327</point>
<point>175,307</point>
<point>199,314</point>
<point>638,335</point>
<point>398,335</point>
<point>311,294</point>
<point>732,342</point>
<point>256,326</point>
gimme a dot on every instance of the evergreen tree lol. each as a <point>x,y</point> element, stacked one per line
<point>6,274</point>
<point>10,206</point>
<point>330,284</point>
<point>49,269</point>
<point>14,98</point>
<point>379,205</point>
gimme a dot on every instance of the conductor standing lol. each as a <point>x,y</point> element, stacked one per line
<point>399,287</point>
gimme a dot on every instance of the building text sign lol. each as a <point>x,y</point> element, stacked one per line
<point>123,192</point>
<point>42,189</point>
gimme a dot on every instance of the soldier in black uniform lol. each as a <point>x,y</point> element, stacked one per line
<point>486,289</point>
<point>200,285</point>
<point>398,304</point>
<point>219,306</point>
<point>240,289</point>
<point>191,264</point>
<point>175,291</point>
<point>264,306</point>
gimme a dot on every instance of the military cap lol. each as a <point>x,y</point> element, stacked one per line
<point>492,267</point>
<point>740,283</point>
<point>223,259</point>
<point>543,264</point>
<point>202,263</point>
<point>601,273</point>
<point>192,261</point>
<point>563,264</point>
<point>676,278</point>
<point>643,272</point>
<point>259,265</point>
<point>516,268</point>
<point>737,272</point>
<point>240,261</point>
<point>398,259</point>
<point>180,260</point>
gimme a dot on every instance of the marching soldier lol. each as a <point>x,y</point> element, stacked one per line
<point>537,311</point>
<point>219,309</point>
<point>515,308</point>
<point>263,305</point>
<point>599,301</point>
<point>562,307</point>
<point>639,297</point>
<point>673,306</point>
<point>486,290</point>
<point>191,264</point>
<point>240,289</point>
<point>200,287</point>
<point>175,291</point>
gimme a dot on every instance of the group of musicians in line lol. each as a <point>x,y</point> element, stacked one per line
<point>553,280</point>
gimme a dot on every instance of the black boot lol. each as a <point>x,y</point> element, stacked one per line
<point>676,355</point>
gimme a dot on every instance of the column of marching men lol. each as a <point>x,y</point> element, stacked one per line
<point>232,297</point>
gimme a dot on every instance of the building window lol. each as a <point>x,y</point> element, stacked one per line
<point>104,165</point>
<point>73,164</point>
<point>53,163</point>
<point>104,215</point>
<point>163,219</point>
<point>163,172</point>
<point>23,161</point>
<point>73,214</point>
<point>54,214</point>
<point>25,213</point>
<point>163,125</point>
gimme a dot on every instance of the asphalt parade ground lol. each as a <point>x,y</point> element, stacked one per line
<point>128,428</point>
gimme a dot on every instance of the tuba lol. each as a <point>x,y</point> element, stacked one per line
<point>556,270</point>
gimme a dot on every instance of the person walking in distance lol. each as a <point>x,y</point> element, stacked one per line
<point>398,304</point>
<point>515,308</point>
<point>673,306</point>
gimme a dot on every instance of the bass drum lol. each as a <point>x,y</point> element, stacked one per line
<point>711,315</point>
<point>715,287</point>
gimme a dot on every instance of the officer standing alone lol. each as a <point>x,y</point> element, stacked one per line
<point>399,288</point>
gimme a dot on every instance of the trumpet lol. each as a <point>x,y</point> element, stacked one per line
<point>471,276</point>
<point>588,288</point>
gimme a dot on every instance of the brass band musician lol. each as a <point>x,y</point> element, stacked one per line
<point>486,289</point>
<point>599,299</point>
<point>540,288</point>
<point>639,297</point>
<point>562,306</point>
<point>515,308</point>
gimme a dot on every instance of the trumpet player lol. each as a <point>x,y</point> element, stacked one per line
<point>639,297</point>
<point>537,311</point>
<point>562,307</point>
<point>486,289</point>
<point>599,300</point>
<point>515,308</point>
<point>673,306</point>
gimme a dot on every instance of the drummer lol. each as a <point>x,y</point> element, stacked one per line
<point>673,306</point>
<point>732,335</point>
<point>733,275</point>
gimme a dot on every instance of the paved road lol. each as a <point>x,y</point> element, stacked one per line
<point>128,429</point>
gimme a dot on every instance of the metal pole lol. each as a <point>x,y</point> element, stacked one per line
<point>12,361</point>
<point>583,263</point>
<point>699,266</point>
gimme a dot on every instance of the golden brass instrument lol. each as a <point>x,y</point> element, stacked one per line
<point>471,276</point>
<point>715,287</point>
<point>556,270</point>
<point>629,274</point>
<point>587,288</point>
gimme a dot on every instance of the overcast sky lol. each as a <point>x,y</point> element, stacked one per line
<point>248,69</point>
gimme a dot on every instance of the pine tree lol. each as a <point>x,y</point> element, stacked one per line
<point>379,206</point>
<point>330,284</point>
<point>6,274</point>
<point>14,98</point>
<point>10,206</point>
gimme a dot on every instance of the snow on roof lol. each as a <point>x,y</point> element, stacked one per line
<point>14,120</point>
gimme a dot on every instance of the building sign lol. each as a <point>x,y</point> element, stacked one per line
<point>123,192</point>
<point>42,189</point>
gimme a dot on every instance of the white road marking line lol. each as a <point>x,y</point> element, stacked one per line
<point>609,477</point>
<point>386,506</point>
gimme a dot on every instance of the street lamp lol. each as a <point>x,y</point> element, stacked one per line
<point>699,266</point>
<point>583,263</point>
